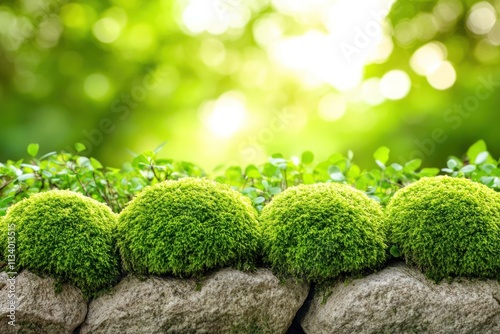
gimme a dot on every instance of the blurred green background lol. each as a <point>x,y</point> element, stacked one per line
<point>233,81</point>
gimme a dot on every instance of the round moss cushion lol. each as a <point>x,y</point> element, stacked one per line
<point>316,232</point>
<point>187,227</point>
<point>3,239</point>
<point>68,236</point>
<point>447,226</point>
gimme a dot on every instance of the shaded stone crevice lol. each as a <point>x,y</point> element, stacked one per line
<point>79,328</point>
<point>496,298</point>
<point>296,327</point>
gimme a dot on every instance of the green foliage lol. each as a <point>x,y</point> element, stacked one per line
<point>113,186</point>
<point>478,165</point>
<point>68,236</point>
<point>186,227</point>
<point>316,232</point>
<point>447,226</point>
<point>259,182</point>
<point>262,182</point>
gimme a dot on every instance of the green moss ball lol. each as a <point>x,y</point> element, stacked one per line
<point>187,227</point>
<point>316,232</point>
<point>68,236</point>
<point>447,226</point>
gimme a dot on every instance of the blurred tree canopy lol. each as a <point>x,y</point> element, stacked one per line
<point>232,81</point>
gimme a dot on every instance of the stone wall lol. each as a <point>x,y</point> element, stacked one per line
<point>397,299</point>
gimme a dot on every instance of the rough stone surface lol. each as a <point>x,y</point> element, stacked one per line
<point>228,301</point>
<point>40,309</point>
<point>400,299</point>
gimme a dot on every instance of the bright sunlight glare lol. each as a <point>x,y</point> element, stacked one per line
<point>354,33</point>
<point>336,57</point>
<point>225,116</point>
<point>395,84</point>
<point>428,57</point>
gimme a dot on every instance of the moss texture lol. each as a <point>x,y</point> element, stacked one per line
<point>447,226</point>
<point>68,236</point>
<point>3,238</point>
<point>187,227</point>
<point>316,232</point>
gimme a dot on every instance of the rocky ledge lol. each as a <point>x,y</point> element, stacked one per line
<point>400,299</point>
<point>397,299</point>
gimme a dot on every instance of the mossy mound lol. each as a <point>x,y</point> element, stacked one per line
<point>447,226</point>
<point>317,232</point>
<point>187,227</point>
<point>67,236</point>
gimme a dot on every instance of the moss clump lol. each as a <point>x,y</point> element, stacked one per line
<point>68,236</point>
<point>317,232</point>
<point>3,238</point>
<point>447,226</point>
<point>186,227</point>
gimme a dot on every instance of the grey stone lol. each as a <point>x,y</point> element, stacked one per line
<point>39,308</point>
<point>228,301</point>
<point>400,299</point>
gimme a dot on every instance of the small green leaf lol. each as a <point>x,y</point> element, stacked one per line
<point>350,155</point>
<point>336,174</point>
<point>307,157</point>
<point>274,190</point>
<point>25,177</point>
<point>32,167</point>
<point>382,154</point>
<point>488,168</point>
<point>277,155</point>
<point>468,168</point>
<point>84,162</point>
<point>412,165</point>
<point>380,164</point>
<point>6,201</point>
<point>80,147</point>
<point>429,171</point>
<point>336,158</point>
<point>279,162</point>
<point>33,149</point>
<point>394,251</point>
<point>95,163</point>
<point>252,171</point>
<point>140,160</point>
<point>481,157</point>
<point>269,169</point>
<point>259,200</point>
<point>475,149</point>
<point>354,172</point>
<point>451,164</point>
<point>48,155</point>
<point>397,167</point>
<point>487,180</point>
